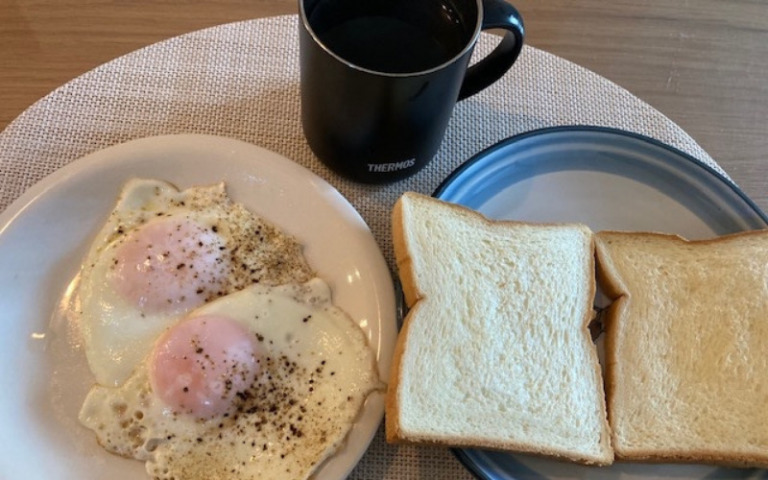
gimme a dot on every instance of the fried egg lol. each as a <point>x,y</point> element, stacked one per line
<point>162,253</point>
<point>262,383</point>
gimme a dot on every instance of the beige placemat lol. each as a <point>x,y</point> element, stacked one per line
<point>241,80</point>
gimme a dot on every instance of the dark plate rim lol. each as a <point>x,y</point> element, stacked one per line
<point>502,144</point>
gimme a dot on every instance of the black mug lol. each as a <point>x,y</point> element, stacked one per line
<point>380,78</point>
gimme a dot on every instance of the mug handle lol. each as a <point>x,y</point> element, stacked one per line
<point>496,14</point>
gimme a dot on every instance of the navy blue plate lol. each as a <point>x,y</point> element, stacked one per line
<point>607,179</point>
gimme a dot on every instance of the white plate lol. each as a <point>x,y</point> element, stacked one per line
<point>607,179</point>
<point>45,234</point>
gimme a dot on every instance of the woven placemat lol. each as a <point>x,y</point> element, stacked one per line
<point>241,80</point>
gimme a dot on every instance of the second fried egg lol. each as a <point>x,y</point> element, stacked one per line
<point>263,383</point>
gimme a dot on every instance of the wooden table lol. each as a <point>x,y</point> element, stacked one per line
<point>704,64</point>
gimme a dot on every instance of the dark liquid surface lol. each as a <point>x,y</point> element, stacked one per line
<point>393,37</point>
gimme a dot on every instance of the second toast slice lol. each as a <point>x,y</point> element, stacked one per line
<point>687,346</point>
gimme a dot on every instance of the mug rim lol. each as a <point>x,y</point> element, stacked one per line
<point>469,46</point>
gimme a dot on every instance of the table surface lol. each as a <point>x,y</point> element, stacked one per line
<point>704,64</point>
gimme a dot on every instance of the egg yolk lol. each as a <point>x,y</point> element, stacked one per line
<point>169,265</point>
<point>200,365</point>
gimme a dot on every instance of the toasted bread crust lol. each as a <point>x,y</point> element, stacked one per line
<point>408,285</point>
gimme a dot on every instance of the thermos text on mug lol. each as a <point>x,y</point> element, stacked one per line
<point>391,167</point>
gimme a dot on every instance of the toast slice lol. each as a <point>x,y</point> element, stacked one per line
<point>495,351</point>
<point>687,347</point>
